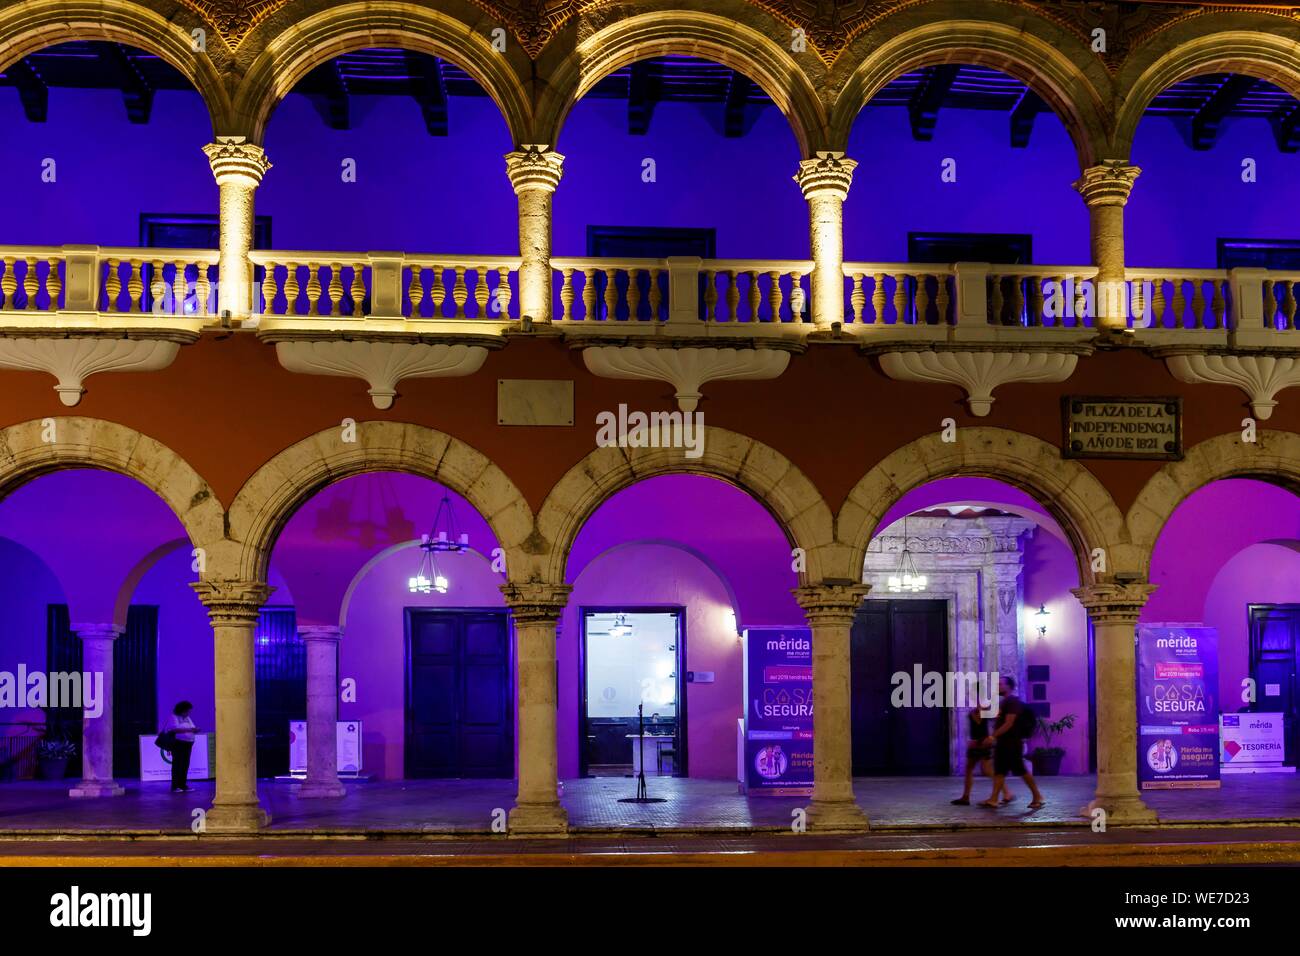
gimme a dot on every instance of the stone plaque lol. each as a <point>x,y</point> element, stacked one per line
<point>1101,426</point>
<point>534,401</point>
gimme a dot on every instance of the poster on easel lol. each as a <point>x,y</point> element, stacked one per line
<point>1178,706</point>
<point>778,725</point>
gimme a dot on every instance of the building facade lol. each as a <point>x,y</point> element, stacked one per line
<point>241,382</point>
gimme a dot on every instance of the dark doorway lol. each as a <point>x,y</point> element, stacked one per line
<point>1282,255</point>
<point>459,713</point>
<point>135,685</point>
<point>280,664</point>
<point>995,247</point>
<point>888,637</point>
<point>631,657</point>
<point>1274,662</point>
<point>650,242</point>
<point>164,231</point>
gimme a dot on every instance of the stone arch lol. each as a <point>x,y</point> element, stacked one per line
<point>93,443</point>
<point>133,578</point>
<point>1073,496</point>
<point>1259,45</point>
<point>294,52</point>
<point>1273,457</point>
<point>574,69</point>
<point>271,496</point>
<point>33,25</point>
<point>1054,63</point>
<point>771,478</point>
<point>345,605</point>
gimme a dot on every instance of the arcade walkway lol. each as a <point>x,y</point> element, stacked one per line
<point>449,807</point>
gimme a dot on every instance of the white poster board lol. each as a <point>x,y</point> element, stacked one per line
<point>157,765</point>
<point>1252,743</point>
<point>348,736</point>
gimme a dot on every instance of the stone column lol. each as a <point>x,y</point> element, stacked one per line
<point>232,608</point>
<point>238,167</point>
<point>534,172</point>
<point>825,182</point>
<point>322,712</point>
<point>535,609</point>
<point>1105,188</point>
<point>830,609</point>
<point>1114,609</point>
<point>97,730</point>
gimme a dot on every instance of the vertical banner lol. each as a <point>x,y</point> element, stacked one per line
<point>1178,706</point>
<point>778,710</point>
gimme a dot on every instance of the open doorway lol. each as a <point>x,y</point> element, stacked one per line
<point>1274,665</point>
<point>632,657</point>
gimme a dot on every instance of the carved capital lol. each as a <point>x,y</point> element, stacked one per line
<point>828,174</point>
<point>232,603</point>
<point>236,161</point>
<point>534,166</point>
<point>328,633</point>
<point>533,603</point>
<point>1114,603</point>
<point>98,632</point>
<point>827,605</point>
<point>1108,183</point>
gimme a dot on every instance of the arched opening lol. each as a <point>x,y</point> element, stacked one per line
<point>960,163</point>
<point>970,582</point>
<point>97,572</point>
<point>641,147</point>
<point>1221,689</point>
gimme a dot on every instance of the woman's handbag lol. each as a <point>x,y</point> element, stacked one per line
<point>166,741</point>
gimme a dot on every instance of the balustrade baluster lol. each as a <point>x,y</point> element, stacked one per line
<point>755,295</point>
<point>357,289</point>
<point>180,287</point>
<point>291,288</point>
<point>502,293</point>
<point>460,292</point>
<point>1180,302</point>
<point>1017,313</point>
<point>157,297</point>
<point>922,299</point>
<point>900,299</point>
<point>589,295</point>
<point>995,301</point>
<point>135,285</point>
<point>30,285</point>
<point>438,290</point>
<point>633,294</point>
<point>858,298</point>
<point>775,297</point>
<point>1270,305</point>
<point>313,288</point>
<point>1288,305</point>
<point>611,295</point>
<point>798,300</point>
<point>269,286</point>
<point>1157,301</point>
<point>1034,316</point>
<point>566,293</point>
<point>733,295</point>
<point>1136,299</point>
<point>336,288</point>
<point>942,299</point>
<point>878,298</point>
<point>8,283</point>
<point>415,292</point>
<point>657,296</point>
<point>1218,304</point>
<point>53,284</point>
<point>480,292</point>
<point>1198,304</point>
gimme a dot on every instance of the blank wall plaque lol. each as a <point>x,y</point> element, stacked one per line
<point>534,401</point>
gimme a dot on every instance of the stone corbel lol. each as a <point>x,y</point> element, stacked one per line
<point>686,369</point>
<point>1261,377</point>
<point>73,360</point>
<point>978,372</point>
<point>382,365</point>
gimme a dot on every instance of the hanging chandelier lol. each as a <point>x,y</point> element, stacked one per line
<point>907,578</point>
<point>442,539</point>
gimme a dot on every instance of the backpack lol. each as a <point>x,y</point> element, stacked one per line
<point>1026,722</point>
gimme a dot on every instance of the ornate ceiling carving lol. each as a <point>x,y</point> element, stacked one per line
<point>829,25</point>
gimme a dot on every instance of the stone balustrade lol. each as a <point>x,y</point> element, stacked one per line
<point>382,285</point>
<point>611,290</point>
<point>892,293</point>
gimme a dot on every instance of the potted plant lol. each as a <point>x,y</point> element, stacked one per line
<point>1047,758</point>
<point>52,756</point>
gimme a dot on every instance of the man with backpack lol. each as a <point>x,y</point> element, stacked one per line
<point>1015,724</point>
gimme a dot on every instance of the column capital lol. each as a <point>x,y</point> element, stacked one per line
<point>1107,183</point>
<point>828,173</point>
<point>321,632</point>
<point>831,603</point>
<point>232,602</point>
<point>534,603</point>
<point>534,166</point>
<point>235,160</point>
<point>1114,603</point>
<point>102,632</point>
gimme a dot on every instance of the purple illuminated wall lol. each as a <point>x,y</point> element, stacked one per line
<point>420,193</point>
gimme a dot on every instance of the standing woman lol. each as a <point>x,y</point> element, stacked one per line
<point>182,732</point>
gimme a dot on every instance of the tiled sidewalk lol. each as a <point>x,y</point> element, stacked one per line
<point>468,806</point>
